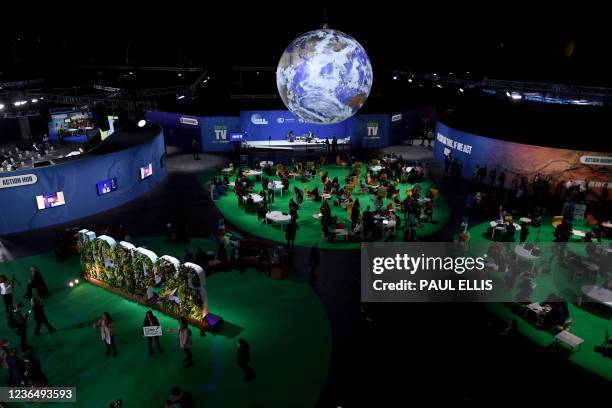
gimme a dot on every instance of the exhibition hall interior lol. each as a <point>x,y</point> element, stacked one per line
<point>195,210</point>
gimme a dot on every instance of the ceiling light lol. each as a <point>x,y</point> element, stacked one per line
<point>461,90</point>
<point>142,122</point>
<point>439,86</point>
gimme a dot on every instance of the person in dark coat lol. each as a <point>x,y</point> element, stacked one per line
<point>243,357</point>
<point>290,234</point>
<point>21,325</point>
<point>16,369</point>
<point>36,281</point>
<point>151,320</point>
<point>38,311</point>
<point>34,374</point>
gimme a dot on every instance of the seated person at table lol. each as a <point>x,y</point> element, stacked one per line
<point>324,177</point>
<point>395,198</point>
<point>263,195</point>
<point>327,187</point>
<point>285,184</point>
<point>316,195</point>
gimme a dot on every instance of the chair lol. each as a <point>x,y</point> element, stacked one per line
<point>375,162</point>
<point>557,220</point>
<point>409,193</point>
<point>308,193</point>
<point>434,192</point>
<point>340,162</point>
<point>349,209</point>
<point>591,220</point>
<point>382,193</point>
<point>309,165</point>
<point>508,218</point>
<point>350,187</point>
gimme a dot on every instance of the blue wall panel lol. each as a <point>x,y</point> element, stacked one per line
<point>77,180</point>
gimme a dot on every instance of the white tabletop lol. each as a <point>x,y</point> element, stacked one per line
<point>494,224</point>
<point>526,220</point>
<point>525,254</point>
<point>278,217</point>
<point>275,185</point>
<point>266,163</point>
<point>389,159</point>
<point>228,170</point>
<point>407,169</point>
<point>256,198</point>
<point>376,169</point>
<point>569,338</point>
<point>317,216</point>
<point>578,233</point>
<point>599,294</point>
<point>252,173</point>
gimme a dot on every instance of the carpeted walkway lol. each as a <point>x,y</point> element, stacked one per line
<point>309,229</point>
<point>283,321</point>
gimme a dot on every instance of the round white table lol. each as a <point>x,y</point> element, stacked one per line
<point>266,163</point>
<point>257,199</point>
<point>389,159</point>
<point>317,216</point>
<point>250,173</point>
<point>525,254</point>
<point>525,220</point>
<point>276,185</point>
<point>598,294</point>
<point>376,169</point>
<point>278,217</point>
<point>501,226</point>
<point>228,170</point>
<point>407,169</point>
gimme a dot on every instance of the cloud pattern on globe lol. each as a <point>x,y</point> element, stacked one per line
<point>324,76</point>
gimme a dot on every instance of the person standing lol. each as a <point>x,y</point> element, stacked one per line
<point>106,325</point>
<point>315,259</point>
<point>151,320</point>
<point>6,290</point>
<point>195,149</point>
<point>21,325</point>
<point>243,357</point>
<point>34,374</point>
<point>16,369</point>
<point>184,335</point>
<point>290,233</point>
<point>36,281</point>
<point>4,353</point>
<point>38,311</point>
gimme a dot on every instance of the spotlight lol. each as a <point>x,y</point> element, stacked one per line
<point>180,97</point>
<point>435,74</point>
<point>439,86</point>
<point>461,90</point>
<point>395,77</point>
<point>76,281</point>
<point>71,284</point>
<point>508,94</point>
<point>409,79</point>
<point>142,122</point>
<point>34,100</point>
<point>516,96</point>
<point>1,106</point>
<point>179,75</point>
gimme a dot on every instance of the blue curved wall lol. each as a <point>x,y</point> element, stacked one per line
<point>78,180</point>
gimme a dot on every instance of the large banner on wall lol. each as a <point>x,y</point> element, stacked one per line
<point>522,159</point>
<point>261,125</point>
<point>372,131</point>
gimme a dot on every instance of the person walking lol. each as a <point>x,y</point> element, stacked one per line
<point>314,263</point>
<point>6,290</point>
<point>195,149</point>
<point>38,311</point>
<point>21,325</point>
<point>184,335</point>
<point>106,325</point>
<point>36,281</point>
<point>290,233</point>
<point>151,320</point>
<point>243,357</point>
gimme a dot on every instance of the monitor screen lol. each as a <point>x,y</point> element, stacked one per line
<point>50,200</point>
<point>146,171</point>
<point>107,186</point>
<point>236,136</point>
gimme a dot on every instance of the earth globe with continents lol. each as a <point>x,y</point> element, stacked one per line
<point>324,76</point>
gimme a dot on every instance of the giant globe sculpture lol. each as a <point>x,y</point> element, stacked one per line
<point>324,76</point>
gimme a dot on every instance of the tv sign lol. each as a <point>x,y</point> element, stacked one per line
<point>220,133</point>
<point>18,181</point>
<point>372,128</point>
<point>189,121</point>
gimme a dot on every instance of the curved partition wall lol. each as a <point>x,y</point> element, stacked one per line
<point>517,158</point>
<point>118,172</point>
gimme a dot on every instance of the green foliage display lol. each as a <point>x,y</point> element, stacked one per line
<point>124,269</point>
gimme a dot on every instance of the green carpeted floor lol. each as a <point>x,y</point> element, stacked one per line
<point>283,321</point>
<point>589,321</point>
<point>309,229</point>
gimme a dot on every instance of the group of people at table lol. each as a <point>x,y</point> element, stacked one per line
<point>382,180</point>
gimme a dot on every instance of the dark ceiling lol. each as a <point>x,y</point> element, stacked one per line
<point>91,48</point>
